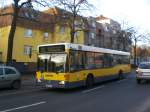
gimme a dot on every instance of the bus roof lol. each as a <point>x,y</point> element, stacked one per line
<point>87,48</point>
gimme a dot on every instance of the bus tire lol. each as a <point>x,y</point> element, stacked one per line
<point>120,75</point>
<point>89,81</point>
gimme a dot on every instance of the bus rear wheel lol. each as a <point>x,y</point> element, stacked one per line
<point>89,81</point>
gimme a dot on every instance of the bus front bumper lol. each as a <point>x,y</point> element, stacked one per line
<point>62,84</point>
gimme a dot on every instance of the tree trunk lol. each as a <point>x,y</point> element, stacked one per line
<point>135,57</point>
<point>72,36</point>
<point>72,32</point>
<point>11,35</point>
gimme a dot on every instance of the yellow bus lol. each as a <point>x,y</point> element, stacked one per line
<point>67,65</point>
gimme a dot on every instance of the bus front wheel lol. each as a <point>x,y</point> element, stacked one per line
<point>89,81</point>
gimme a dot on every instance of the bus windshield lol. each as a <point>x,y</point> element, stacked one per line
<point>52,62</point>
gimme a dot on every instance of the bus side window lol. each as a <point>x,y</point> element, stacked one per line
<point>105,60</point>
<point>125,59</point>
<point>119,61</point>
<point>73,60</point>
<point>67,64</point>
<point>114,59</point>
<point>108,60</point>
<point>81,60</point>
<point>99,60</point>
<point>90,60</point>
<point>77,60</point>
<point>111,60</point>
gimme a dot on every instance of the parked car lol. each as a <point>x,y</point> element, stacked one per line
<point>143,72</point>
<point>9,77</point>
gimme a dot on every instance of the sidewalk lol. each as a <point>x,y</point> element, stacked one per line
<point>28,79</point>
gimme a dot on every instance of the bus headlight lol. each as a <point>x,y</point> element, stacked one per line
<point>62,82</point>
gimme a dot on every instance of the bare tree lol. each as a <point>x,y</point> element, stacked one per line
<point>72,12</point>
<point>143,52</point>
<point>147,37</point>
<point>17,5</point>
<point>136,37</point>
<point>124,40</point>
<point>123,35</point>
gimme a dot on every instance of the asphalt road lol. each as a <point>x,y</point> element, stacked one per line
<point>114,96</point>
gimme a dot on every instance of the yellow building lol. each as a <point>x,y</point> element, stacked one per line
<point>33,28</point>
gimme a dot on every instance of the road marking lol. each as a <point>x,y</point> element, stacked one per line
<point>90,90</point>
<point>22,107</point>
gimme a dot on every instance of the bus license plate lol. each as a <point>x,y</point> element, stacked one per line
<point>49,85</point>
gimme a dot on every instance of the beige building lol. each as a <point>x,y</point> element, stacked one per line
<point>111,35</point>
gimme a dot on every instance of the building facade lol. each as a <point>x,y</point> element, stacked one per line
<point>111,35</point>
<point>33,28</point>
<point>90,32</point>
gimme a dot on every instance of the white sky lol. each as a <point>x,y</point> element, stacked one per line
<point>135,12</point>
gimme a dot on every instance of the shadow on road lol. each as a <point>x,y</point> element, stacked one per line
<point>78,89</point>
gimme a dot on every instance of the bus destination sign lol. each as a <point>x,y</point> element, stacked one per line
<point>49,49</point>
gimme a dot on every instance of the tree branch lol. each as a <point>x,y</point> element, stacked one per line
<point>24,3</point>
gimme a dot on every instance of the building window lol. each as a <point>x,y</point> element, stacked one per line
<point>94,24</point>
<point>45,35</point>
<point>76,22</point>
<point>62,29</point>
<point>114,32</point>
<point>26,14</point>
<point>75,34</point>
<point>105,28</point>
<point>92,35</point>
<point>27,50</point>
<point>32,16</point>
<point>28,33</point>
